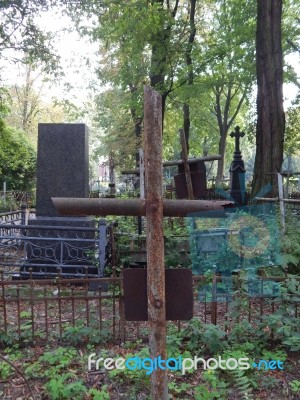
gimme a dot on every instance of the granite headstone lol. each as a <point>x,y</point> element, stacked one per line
<point>62,171</point>
<point>62,165</point>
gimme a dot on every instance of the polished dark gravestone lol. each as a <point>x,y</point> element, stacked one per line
<point>64,243</point>
<point>62,165</point>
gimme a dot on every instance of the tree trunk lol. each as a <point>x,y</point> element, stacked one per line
<point>159,63</point>
<point>137,120</point>
<point>221,162</point>
<point>190,77</point>
<point>270,114</point>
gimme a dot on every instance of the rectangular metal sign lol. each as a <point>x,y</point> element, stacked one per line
<point>179,294</point>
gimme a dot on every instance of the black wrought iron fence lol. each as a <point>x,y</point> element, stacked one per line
<point>45,250</point>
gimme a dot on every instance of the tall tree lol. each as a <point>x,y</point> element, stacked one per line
<point>17,159</point>
<point>270,114</point>
<point>190,69</point>
<point>18,30</point>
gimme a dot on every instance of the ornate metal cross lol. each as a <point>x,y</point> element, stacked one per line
<point>237,135</point>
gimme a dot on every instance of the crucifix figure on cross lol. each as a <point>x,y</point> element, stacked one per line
<point>237,135</point>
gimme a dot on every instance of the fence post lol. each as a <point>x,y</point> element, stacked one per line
<point>281,200</point>
<point>102,246</point>
<point>24,214</point>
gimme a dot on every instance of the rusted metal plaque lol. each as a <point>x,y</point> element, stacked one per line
<point>179,294</point>
<point>198,182</point>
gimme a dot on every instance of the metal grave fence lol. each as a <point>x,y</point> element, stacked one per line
<point>47,250</point>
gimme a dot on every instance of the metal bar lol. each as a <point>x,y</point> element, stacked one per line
<point>293,201</point>
<point>267,199</point>
<point>155,239</point>
<point>214,310</point>
<point>4,300</point>
<point>32,311</point>
<point>66,281</point>
<point>114,309</point>
<point>19,312</point>
<point>59,306</point>
<point>60,298</point>
<point>133,207</point>
<point>192,160</point>
<point>73,307</point>
<point>102,246</point>
<point>142,177</point>
<point>122,313</point>
<point>47,228</point>
<point>142,187</point>
<point>46,314</point>
<point>113,251</point>
<point>280,194</point>
<point>87,304</point>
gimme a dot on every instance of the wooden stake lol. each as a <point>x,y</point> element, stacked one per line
<point>188,177</point>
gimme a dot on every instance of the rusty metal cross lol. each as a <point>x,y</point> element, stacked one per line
<point>154,208</point>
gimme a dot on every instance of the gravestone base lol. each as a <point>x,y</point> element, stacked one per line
<point>60,244</point>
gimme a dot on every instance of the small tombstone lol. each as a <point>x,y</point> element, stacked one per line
<point>198,177</point>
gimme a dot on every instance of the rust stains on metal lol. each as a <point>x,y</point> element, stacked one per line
<point>137,207</point>
<point>155,239</point>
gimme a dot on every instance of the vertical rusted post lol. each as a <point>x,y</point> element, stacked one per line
<point>142,188</point>
<point>187,172</point>
<point>214,300</point>
<point>155,239</point>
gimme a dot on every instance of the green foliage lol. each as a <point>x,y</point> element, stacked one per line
<point>242,384</point>
<point>80,334</point>
<point>290,244</point>
<point>295,386</point>
<point>207,338</point>
<point>292,138</point>
<point>217,386</point>
<point>138,380</point>
<point>52,363</point>
<point>5,370</point>
<point>20,32</point>
<point>18,158</point>
<point>6,339</point>
<point>59,388</point>
<point>178,389</point>
<point>284,323</point>
<point>100,394</point>
<point>8,204</point>
<point>201,392</point>
<point>5,102</point>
